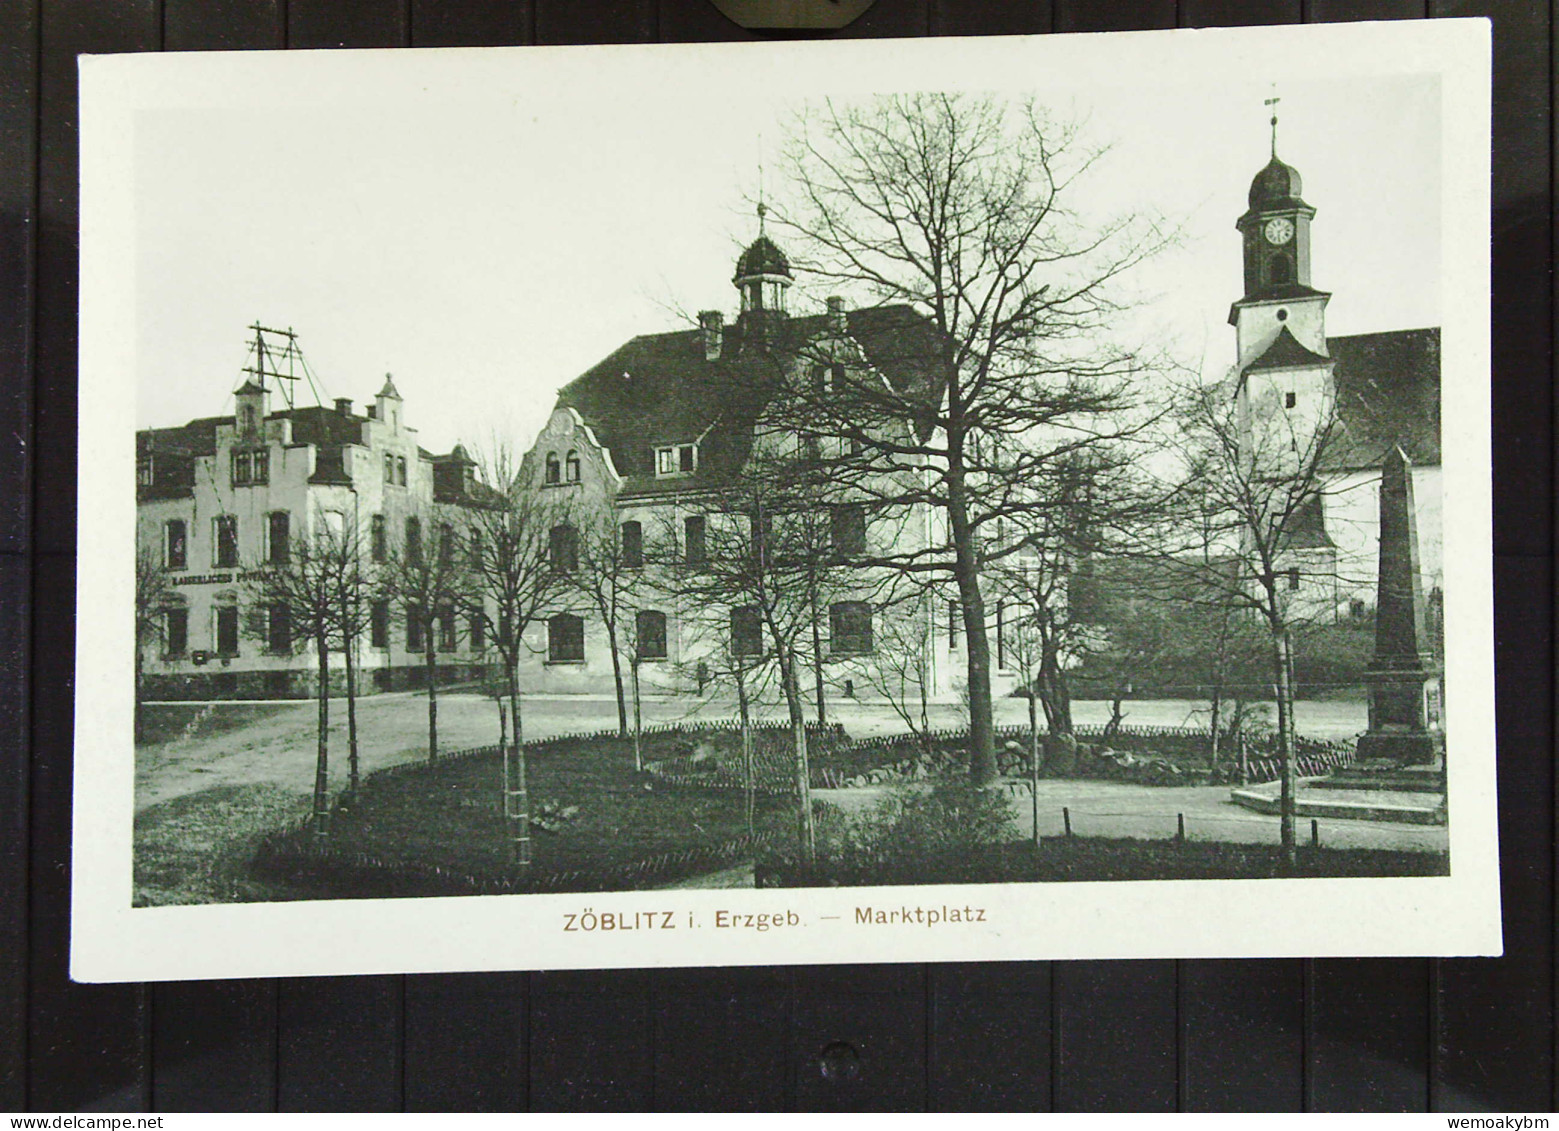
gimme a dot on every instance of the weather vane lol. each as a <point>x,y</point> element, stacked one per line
<point>1273,102</point>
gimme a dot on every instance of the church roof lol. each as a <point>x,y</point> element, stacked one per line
<point>1286,352</point>
<point>659,389</point>
<point>1276,186</point>
<point>389,389</point>
<point>1388,394</point>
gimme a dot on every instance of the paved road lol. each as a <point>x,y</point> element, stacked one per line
<point>277,746</point>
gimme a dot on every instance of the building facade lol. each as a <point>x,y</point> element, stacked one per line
<point>222,500</point>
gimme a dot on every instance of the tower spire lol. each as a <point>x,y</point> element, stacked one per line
<point>763,209</point>
<point>1273,104</point>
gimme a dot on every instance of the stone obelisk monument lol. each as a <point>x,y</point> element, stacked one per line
<point>1403,679</point>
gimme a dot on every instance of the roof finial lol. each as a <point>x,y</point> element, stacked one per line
<point>1273,102</point>
<point>763,209</point>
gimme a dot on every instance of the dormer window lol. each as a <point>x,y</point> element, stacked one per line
<point>676,459</point>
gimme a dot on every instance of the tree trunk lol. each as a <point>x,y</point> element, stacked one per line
<point>617,677</point>
<point>1216,693</point>
<point>353,778</point>
<point>798,730</point>
<point>1282,669</point>
<point>140,693</point>
<point>638,721</point>
<point>1034,762</point>
<point>516,795</point>
<point>322,760</point>
<point>966,572</point>
<point>749,785</point>
<point>817,657</point>
<point>430,660</point>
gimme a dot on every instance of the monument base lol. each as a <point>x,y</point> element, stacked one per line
<point>1410,748</point>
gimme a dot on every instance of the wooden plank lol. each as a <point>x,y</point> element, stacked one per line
<point>1243,1035</point>
<point>591,1041</point>
<point>1343,11</point>
<point>990,1037</point>
<point>595,21</point>
<point>360,23</point>
<point>86,1044</point>
<point>720,1039</point>
<point>213,1046</point>
<point>859,1038</point>
<point>977,17</point>
<point>472,23</point>
<point>1119,15</point>
<point>222,25</point>
<point>338,1044</point>
<point>465,1042</point>
<point>1370,1045</point>
<point>1238,13</point>
<point>1115,1034</point>
<point>15,608</point>
<point>18,223</point>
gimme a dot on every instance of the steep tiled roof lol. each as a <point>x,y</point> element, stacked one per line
<point>1286,352</point>
<point>659,389</point>
<point>1388,392</point>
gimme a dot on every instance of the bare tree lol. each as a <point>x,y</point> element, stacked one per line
<point>507,542</point>
<point>430,576</point>
<point>153,594</point>
<point>967,211</point>
<point>606,576</point>
<point>902,669</point>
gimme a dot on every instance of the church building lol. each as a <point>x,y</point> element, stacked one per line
<point>1367,392</point>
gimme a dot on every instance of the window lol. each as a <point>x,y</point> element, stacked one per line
<point>848,528</point>
<point>414,540</point>
<point>850,628</point>
<point>565,639</point>
<point>414,639</point>
<point>175,632</point>
<point>505,631</point>
<point>676,459</point>
<point>835,376</point>
<point>248,419</point>
<point>955,624</point>
<point>280,541</point>
<point>554,469</point>
<point>1281,270</point>
<point>474,548</point>
<point>241,469</point>
<point>571,467</point>
<point>1289,400</point>
<point>379,624</point>
<point>650,630</point>
<point>227,630</point>
<point>746,631</point>
<point>378,540</point>
<point>446,544</point>
<point>631,538</point>
<point>820,382</point>
<point>278,629</point>
<point>175,544</point>
<point>477,627</point>
<point>389,468</point>
<point>1293,579</point>
<point>400,470</point>
<point>262,468</point>
<point>447,633</point>
<point>145,475</point>
<point>224,541</point>
<point>1001,636</point>
<point>563,549</point>
<point>693,530</point>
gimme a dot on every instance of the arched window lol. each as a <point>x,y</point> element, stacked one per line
<point>632,545</point>
<point>414,540</point>
<point>564,549</point>
<point>565,639</point>
<point>571,467</point>
<point>554,468</point>
<point>650,635</point>
<point>400,470</point>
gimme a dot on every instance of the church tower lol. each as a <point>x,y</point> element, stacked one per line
<point>763,279</point>
<point>1284,369</point>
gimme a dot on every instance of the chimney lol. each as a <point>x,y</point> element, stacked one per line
<point>371,413</point>
<point>344,406</point>
<point>836,315</point>
<point>711,325</point>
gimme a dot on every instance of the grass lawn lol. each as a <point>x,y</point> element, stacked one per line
<point>166,722</point>
<point>196,848</point>
<point>450,814</point>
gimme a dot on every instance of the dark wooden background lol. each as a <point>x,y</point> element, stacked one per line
<point>1358,1034</point>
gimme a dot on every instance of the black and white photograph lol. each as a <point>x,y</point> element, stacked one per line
<point>788,502</point>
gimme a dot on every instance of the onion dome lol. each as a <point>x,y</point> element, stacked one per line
<point>762,257</point>
<point>1276,186</point>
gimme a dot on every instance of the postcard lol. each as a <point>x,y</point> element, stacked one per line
<point>785,503</point>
